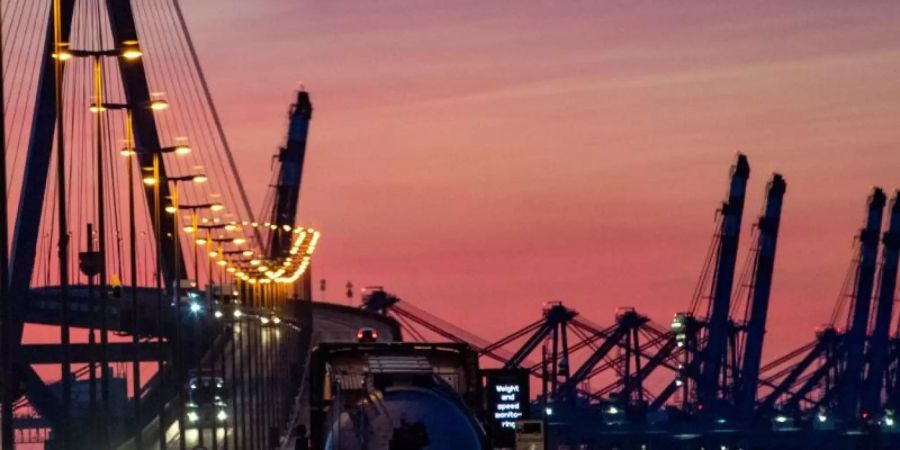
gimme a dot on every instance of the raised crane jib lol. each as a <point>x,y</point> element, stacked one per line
<point>290,175</point>
<point>855,340</point>
<point>729,233</point>
<point>878,349</point>
<point>762,284</point>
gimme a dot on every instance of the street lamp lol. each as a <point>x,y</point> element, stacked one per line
<point>173,209</point>
<point>129,50</point>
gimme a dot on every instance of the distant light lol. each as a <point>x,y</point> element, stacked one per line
<point>127,152</point>
<point>889,421</point>
<point>264,320</point>
<point>286,227</point>
<point>613,410</point>
<point>781,419</point>
<point>238,314</point>
<point>276,320</point>
<point>248,253</point>
<point>192,416</point>
<point>94,108</point>
<point>200,179</point>
<point>239,241</point>
<point>217,207</point>
<point>548,411</point>
<point>149,180</point>
<point>195,307</point>
<point>222,415</point>
<point>185,150</point>
<point>218,314</point>
<point>822,417</point>
<point>171,209</point>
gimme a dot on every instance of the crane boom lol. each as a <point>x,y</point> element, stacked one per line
<point>762,284</point>
<point>290,158</point>
<point>729,233</point>
<point>878,351</point>
<point>854,349</point>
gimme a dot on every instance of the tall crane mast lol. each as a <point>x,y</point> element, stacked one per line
<point>855,340</point>
<point>878,351</point>
<point>718,323</point>
<point>287,188</point>
<point>768,226</point>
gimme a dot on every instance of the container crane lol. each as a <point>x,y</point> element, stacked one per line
<point>718,324</point>
<point>855,340</point>
<point>762,285</point>
<point>878,350</point>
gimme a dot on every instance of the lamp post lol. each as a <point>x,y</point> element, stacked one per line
<point>129,52</point>
<point>129,151</point>
<point>194,230</point>
<point>173,209</point>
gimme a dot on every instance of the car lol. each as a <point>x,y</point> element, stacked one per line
<point>206,401</point>
<point>367,334</point>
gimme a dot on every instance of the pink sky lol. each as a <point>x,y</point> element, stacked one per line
<point>480,158</point>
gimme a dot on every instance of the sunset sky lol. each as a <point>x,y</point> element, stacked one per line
<point>479,158</point>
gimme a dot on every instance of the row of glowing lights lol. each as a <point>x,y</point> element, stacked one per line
<point>286,270</point>
<point>283,274</point>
